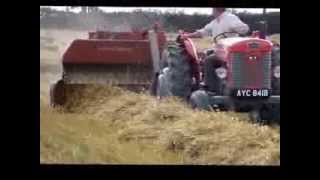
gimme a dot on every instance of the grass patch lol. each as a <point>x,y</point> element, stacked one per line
<point>110,125</point>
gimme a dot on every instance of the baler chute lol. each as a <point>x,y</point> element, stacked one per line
<point>125,59</point>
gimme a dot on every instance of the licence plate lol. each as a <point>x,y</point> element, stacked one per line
<point>252,93</point>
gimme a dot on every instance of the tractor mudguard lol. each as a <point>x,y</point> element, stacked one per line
<point>195,61</point>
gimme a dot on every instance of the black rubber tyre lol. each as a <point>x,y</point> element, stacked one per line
<point>275,62</point>
<point>200,100</point>
<point>266,114</point>
<point>175,78</point>
<point>255,116</point>
<point>211,80</point>
<point>274,109</point>
<point>155,79</point>
<point>154,84</point>
<point>57,93</point>
<point>275,56</point>
<point>272,113</point>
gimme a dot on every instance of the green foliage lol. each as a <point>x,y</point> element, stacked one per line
<point>171,21</point>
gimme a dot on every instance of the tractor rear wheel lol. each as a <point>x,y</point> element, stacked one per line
<point>175,79</point>
<point>275,62</point>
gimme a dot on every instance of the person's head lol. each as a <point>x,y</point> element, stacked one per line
<point>217,11</point>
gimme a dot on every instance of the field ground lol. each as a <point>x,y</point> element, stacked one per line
<point>114,126</point>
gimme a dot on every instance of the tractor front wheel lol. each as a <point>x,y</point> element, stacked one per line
<point>200,100</point>
<point>266,114</point>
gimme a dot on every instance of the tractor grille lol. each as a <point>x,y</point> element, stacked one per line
<point>246,74</point>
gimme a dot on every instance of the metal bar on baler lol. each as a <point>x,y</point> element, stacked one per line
<point>155,54</point>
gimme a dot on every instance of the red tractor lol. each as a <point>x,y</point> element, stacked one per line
<point>237,73</point>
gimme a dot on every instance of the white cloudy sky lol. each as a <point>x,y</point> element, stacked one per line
<point>186,10</point>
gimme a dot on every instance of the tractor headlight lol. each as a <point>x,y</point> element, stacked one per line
<point>276,72</point>
<point>221,72</point>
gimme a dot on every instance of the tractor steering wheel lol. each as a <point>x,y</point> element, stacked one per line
<point>224,34</point>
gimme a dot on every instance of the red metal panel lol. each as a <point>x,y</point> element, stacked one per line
<point>252,69</point>
<point>108,52</point>
<point>253,72</point>
<point>112,48</point>
<point>117,35</point>
<point>162,39</point>
<point>191,49</point>
<point>127,36</point>
<point>243,46</point>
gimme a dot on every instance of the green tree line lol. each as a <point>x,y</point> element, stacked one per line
<point>91,18</point>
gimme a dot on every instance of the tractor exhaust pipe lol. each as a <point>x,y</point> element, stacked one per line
<point>263,25</point>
